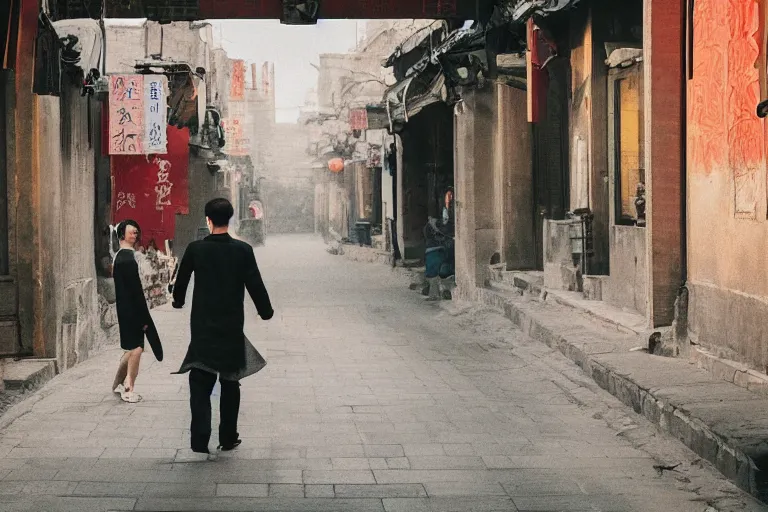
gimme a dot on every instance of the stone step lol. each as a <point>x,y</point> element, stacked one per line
<point>533,283</point>
<point>721,422</point>
<point>27,374</point>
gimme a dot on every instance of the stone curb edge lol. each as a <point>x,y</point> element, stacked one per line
<point>733,463</point>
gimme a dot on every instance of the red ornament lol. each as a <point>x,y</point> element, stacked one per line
<point>336,165</point>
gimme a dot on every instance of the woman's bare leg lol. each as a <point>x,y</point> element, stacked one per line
<point>122,371</point>
<point>134,359</point>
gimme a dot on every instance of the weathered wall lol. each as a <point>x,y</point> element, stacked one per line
<point>627,286</point>
<point>588,146</point>
<point>726,177</point>
<point>513,201</point>
<point>559,271</point>
<point>125,45</point>
<point>69,315</point>
<point>201,190</point>
<point>494,185</point>
<point>478,228</point>
<point>23,189</point>
<point>664,29</point>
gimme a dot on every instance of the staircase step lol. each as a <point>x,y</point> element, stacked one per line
<point>27,374</point>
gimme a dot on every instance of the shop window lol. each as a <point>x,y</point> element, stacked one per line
<point>629,137</point>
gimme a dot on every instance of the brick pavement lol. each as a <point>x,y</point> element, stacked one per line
<point>373,400</point>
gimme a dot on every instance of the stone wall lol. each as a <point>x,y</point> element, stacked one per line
<point>68,308</point>
<point>627,286</point>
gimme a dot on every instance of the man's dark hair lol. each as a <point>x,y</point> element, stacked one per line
<point>219,211</point>
<point>124,225</point>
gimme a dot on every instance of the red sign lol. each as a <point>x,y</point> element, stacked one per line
<point>237,87</point>
<point>358,119</point>
<point>152,189</point>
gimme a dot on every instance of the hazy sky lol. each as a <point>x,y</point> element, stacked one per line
<point>291,48</point>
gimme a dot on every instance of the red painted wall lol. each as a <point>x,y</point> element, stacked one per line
<point>152,189</point>
<point>726,133</point>
<point>726,183</point>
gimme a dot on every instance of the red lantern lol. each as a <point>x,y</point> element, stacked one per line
<point>336,165</point>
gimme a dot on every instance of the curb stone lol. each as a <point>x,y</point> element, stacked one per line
<point>741,463</point>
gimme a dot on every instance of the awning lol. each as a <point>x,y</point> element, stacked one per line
<point>414,54</point>
<point>467,56</point>
<point>624,57</point>
<point>463,56</point>
<point>408,97</point>
<point>521,10</point>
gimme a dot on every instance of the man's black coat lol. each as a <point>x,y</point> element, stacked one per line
<point>224,268</point>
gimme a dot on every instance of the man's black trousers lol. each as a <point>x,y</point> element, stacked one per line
<point>200,387</point>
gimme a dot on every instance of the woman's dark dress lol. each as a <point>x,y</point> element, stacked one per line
<point>132,310</point>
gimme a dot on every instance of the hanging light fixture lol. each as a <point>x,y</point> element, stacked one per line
<point>336,165</point>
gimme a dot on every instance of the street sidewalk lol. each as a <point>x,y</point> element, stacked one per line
<point>723,423</point>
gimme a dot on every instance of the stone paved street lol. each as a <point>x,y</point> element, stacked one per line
<point>373,400</point>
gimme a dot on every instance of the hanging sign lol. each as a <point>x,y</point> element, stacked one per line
<point>155,114</point>
<point>138,115</point>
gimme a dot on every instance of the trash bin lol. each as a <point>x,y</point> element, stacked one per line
<point>363,232</point>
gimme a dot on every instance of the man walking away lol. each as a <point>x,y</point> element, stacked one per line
<point>132,313</point>
<point>224,268</point>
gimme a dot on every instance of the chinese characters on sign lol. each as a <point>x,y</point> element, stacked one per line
<point>236,130</point>
<point>358,119</point>
<point>163,186</point>
<point>138,115</point>
<point>237,88</point>
<point>153,190</point>
<point>155,114</point>
<point>126,114</point>
<point>124,199</point>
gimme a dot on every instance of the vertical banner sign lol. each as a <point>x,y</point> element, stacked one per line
<point>235,128</point>
<point>265,79</point>
<point>138,115</point>
<point>237,87</point>
<point>155,114</point>
<point>358,119</point>
<point>126,114</point>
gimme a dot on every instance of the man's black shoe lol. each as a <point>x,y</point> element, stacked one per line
<point>230,447</point>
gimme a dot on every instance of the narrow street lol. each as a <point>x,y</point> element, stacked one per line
<point>372,400</point>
